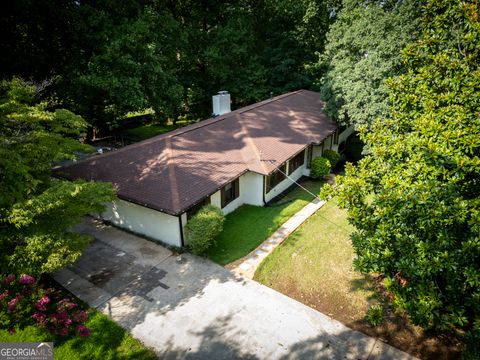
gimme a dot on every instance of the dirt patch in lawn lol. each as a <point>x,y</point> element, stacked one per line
<point>396,330</point>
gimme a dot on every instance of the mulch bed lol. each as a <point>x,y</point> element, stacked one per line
<point>395,330</point>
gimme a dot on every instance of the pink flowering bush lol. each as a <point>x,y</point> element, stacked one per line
<point>24,302</point>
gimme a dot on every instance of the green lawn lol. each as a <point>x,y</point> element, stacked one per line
<point>314,265</point>
<point>150,130</point>
<point>107,341</point>
<point>248,226</point>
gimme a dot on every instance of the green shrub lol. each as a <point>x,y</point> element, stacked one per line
<point>202,229</point>
<point>24,302</point>
<point>320,167</point>
<point>332,156</point>
<point>375,315</point>
<point>472,342</point>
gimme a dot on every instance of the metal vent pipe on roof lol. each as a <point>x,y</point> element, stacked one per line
<point>221,103</point>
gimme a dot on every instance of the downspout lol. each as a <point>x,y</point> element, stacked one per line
<point>182,239</point>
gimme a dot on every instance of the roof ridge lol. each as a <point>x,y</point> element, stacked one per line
<point>231,114</point>
<point>268,101</point>
<point>190,127</point>
<point>171,174</point>
<point>252,145</point>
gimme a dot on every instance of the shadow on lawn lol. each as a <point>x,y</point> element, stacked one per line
<point>364,283</point>
<point>398,331</point>
<point>190,284</point>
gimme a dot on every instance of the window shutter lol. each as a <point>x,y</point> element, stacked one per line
<point>237,188</point>
<point>222,196</point>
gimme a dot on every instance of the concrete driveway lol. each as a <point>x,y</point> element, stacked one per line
<point>187,307</point>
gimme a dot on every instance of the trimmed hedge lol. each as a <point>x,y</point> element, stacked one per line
<point>202,229</point>
<point>332,156</point>
<point>320,167</point>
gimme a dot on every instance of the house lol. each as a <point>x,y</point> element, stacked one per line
<point>238,157</point>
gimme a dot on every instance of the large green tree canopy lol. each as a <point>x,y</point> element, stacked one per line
<point>108,58</point>
<point>362,51</point>
<point>125,59</point>
<point>414,200</point>
<point>36,211</point>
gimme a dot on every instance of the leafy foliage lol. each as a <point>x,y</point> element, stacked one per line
<point>289,34</point>
<point>375,314</point>
<point>362,51</point>
<point>133,70</point>
<point>332,156</point>
<point>472,348</point>
<point>320,167</point>
<point>414,200</point>
<point>37,211</point>
<point>202,229</point>
<point>108,58</point>
<point>24,302</point>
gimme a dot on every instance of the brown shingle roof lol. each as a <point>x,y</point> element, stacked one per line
<point>173,171</point>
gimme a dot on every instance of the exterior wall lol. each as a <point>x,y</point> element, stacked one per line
<point>345,134</point>
<point>183,218</point>
<point>306,171</point>
<point>145,221</point>
<point>251,188</point>
<point>328,143</point>
<point>286,183</point>
<point>316,151</point>
<point>250,192</point>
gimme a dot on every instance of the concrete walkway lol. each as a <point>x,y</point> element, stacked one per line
<point>186,307</point>
<point>247,265</point>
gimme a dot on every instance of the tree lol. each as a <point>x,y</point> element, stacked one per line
<point>362,51</point>
<point>34,46</point>
<point>289,34</point>
<point>414,200</point>
<point>250,48</point>
<point>127,64</point>
<point>37,211</point>
<point>219,52</point>
<point>108,58</point>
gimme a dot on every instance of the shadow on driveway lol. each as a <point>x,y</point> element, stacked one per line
<point>186,307</point>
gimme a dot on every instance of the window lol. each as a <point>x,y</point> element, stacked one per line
<point>296,162</point>
<point>194,209</point>
<point>275,178</point>
<point>230,192</point>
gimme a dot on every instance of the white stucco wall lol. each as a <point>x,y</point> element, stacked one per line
<point>286,183</point>
<point>316,151</point>
<point>250,192</point>
<point>328,143</point>
<point>345,134</point>
<point>145,221</point>
<point>251,188</point>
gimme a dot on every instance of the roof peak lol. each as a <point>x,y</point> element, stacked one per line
<point>191,127</point>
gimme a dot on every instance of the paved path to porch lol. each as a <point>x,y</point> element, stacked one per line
<point>187,307</point>
<point>247,265</point>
